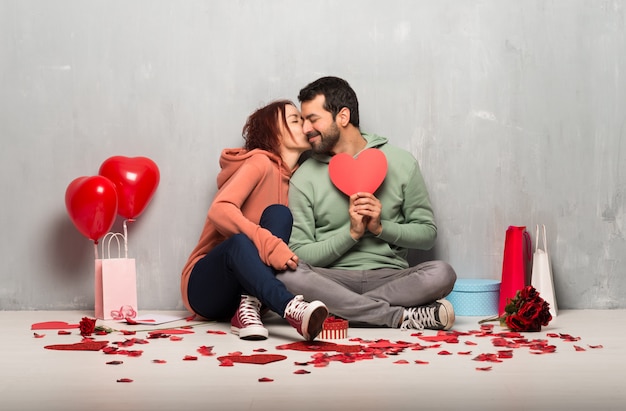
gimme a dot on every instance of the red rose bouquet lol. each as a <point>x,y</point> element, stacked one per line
<point>527,311</point>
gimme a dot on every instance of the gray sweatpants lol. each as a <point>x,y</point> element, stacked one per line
<point>374,297</point>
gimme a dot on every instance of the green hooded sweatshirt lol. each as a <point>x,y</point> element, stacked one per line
<point>321,228</point>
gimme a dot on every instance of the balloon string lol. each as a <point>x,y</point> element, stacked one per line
<point>125,240</point>
<point>95,249</point>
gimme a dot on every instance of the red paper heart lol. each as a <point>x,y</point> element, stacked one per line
<point>364,173</point>
<point>253,359</point>
<point>452,339</point>
<point>319,346</point>
<point>52,325</point>
<point>385,344</point>
<point>81,346</point>
<point>171,331</point>
<point>136,179</point>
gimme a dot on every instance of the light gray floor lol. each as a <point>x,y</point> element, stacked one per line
<point>34,378</point>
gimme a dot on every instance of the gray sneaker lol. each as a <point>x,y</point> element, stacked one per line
<point>435,316</point>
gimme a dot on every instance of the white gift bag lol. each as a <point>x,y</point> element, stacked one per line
<point>541,277</point>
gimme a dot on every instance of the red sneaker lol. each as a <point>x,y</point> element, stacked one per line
<point>306,318</point>
<point>246,323</point>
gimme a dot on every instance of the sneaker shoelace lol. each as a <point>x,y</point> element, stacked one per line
<point>296,307</point>
<point>420,317</point>
<point>249,312</point>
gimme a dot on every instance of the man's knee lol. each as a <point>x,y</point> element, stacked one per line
<point>448,272</point>
<point>441,274</point>
<point>445,274</point>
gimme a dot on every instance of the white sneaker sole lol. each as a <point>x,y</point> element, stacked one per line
<point>252,333</point>
<point>450,317</point>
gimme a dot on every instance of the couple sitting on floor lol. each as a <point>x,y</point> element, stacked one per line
<point>328,251</point>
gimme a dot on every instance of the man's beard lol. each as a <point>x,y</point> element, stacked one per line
<point>327,141</point>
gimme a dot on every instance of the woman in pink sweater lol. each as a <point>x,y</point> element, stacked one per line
<point>243,244</point>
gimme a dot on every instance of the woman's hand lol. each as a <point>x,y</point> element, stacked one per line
<point>292,263</point>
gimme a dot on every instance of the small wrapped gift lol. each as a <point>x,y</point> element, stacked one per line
<point>334,329</point>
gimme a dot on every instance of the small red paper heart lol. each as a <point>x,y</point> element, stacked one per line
<point>170,331</point>
<point>386,344</point>
<point>364,173</point>
<point>452,339</point>
<point>253,359</point>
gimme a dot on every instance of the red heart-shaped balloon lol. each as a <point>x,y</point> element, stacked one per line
<point>364,173</point>
<point>91,203</point>
<point>135,178</point>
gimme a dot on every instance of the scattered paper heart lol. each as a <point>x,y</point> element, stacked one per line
<point>252,359</point>
<point>81,346</point>
<point>53,325</point>
<point>319,346</point>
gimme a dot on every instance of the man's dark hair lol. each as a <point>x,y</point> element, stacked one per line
<point>338,94</point>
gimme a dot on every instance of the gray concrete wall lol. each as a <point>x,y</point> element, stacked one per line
<point>515,111</point>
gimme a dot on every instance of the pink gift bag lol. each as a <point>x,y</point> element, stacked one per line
<point>516,264</point>
<point>115,283</point>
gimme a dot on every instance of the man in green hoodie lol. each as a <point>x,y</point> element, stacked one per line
<point>353,249</point>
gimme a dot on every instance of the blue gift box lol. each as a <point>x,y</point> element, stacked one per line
<point>475,296</point>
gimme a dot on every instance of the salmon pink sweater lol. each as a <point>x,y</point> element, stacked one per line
<point>249,182</point>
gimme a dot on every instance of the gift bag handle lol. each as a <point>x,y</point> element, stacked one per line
<point>545,242</point>
<point>110,237</point>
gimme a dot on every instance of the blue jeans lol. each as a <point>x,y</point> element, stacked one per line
<point>234,267</point>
